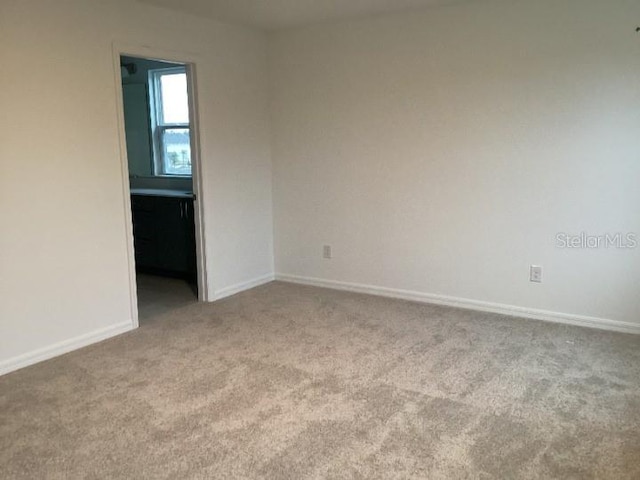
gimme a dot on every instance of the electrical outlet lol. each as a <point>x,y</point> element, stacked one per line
<point>535,274</point>
<point>326,251</point>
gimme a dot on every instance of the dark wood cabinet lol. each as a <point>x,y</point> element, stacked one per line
<point>164,235</point>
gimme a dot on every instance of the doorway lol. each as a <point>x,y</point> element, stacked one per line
<point>159,131</point>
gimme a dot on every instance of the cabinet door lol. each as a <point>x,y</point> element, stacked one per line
<point>191,238</point>
<point>172,234</point>
<point>144,230</point>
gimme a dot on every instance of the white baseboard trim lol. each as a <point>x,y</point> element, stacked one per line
<point>63,347</point>
<point>511,310</point>
<point>241,287</point>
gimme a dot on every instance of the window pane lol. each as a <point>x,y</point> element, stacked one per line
<point>176,151</point>
<point>175,103</point>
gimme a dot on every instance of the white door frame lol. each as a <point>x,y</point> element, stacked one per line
<point>190,61</point>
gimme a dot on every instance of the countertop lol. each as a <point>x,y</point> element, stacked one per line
<point>157,192</point>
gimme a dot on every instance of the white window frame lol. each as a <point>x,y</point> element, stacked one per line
<point>156,114</point>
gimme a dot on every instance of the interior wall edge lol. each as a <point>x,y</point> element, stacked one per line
<point>241,287</point>
<point>66,346</point>
<point>467,304</point>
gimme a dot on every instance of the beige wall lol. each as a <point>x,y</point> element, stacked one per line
<point>438,153</point>
<point>441,153</point>
<point>63,257</point>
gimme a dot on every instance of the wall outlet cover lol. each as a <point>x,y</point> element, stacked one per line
<point>535,274</point>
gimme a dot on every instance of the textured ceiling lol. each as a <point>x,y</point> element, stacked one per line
<point>277,14</point>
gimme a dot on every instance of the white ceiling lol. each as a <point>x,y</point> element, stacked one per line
<point>277,14</point>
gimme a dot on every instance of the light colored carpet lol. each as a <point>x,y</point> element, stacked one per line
<point>297,382</point>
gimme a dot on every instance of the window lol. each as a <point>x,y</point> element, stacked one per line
<point>169,100</point>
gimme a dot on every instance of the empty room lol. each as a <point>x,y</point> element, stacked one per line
<point>308,239</point>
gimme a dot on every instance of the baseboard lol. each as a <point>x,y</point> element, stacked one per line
<point>241,287</point>
<point>63,347</point>
<point>511,310</point>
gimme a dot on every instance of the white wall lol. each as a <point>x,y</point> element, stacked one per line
<point>441,152</point>
<point>63,249</point>
<point>437,153</point>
